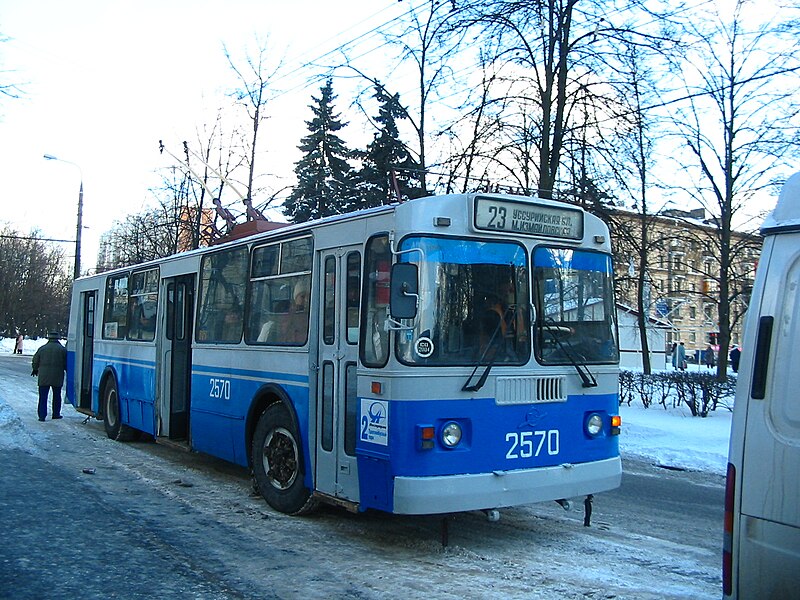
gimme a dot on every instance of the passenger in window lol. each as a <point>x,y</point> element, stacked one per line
<point>296,324</point>
<point>502,322</point>
<point>144,324</point>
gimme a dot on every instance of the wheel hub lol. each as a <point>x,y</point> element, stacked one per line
<point>280,458</point>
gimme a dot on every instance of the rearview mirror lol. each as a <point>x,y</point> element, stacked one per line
<point>404,289</point>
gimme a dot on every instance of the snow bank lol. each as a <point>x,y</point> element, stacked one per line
<point>674,438</point>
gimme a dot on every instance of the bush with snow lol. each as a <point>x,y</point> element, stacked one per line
<point>700,392</point>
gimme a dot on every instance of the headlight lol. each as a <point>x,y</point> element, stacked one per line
<point>594,425</point>
<point>451,434</point>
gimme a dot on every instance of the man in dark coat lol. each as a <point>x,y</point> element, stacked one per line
<point>49,363</point>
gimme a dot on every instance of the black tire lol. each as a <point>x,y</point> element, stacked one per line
<point>278,467</point>
<point>111,418</point>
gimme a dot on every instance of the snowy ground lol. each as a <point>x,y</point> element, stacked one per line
<point>633,550</point>
<point>671,437</point>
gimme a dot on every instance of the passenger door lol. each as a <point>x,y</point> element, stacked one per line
<point>177,357</point>
<point>88,303</point>
<point>336,425</point>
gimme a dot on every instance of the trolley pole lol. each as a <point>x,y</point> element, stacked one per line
<point>77,269</point>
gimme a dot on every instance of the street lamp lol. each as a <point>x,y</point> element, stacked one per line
<point>77,270</point>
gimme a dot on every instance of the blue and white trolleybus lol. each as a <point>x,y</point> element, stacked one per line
<point>445,354</point>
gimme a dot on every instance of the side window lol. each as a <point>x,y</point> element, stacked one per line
<point>223,276</point>
<point>353,295</point>
<point>279,295</point>
<point>143,305</point>
<point>115,311</point>
<point>350,409</point>
<point>329,301</point>
<point>375,301</point>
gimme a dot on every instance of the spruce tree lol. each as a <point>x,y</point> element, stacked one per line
<point>325,180</point>
<point>388,167</point>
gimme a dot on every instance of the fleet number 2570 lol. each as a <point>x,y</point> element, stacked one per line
<point>219,388</point>
<point>529,444</point>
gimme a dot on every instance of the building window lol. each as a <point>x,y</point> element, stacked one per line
<point>708,312</point>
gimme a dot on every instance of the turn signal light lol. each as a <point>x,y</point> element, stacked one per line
<point>616,423</point>
<point>426,435</point>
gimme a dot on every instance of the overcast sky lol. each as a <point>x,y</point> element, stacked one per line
<point>104,80</point>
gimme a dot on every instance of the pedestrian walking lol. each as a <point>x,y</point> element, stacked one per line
<point>679,357</point>
<point>735,355</point>
<point>49,364</point>
<point>18,344</point>
<point>708,357</point>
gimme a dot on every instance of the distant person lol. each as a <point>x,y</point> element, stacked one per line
<point>672,352</point>
<point>49,364</point>
<point>708,357</point>
<point>735,355</point>
<point>679,357</point>
<point>18,344</point>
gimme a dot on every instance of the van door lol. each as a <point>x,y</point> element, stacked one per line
<point>769,530</point>
<point>340,288</point>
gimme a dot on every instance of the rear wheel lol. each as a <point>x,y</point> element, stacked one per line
<point>278,463</point>
<point>111,415</point>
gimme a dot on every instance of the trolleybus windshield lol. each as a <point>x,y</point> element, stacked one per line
<point>474,303</point>
<point>574,299</point>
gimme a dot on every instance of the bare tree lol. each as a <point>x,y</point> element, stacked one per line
<point>739,129</point>
<point>427,43</point>
<point>629,155</point>
<point>8,89</point>
<point>255,79</point>
<point>35,283</point>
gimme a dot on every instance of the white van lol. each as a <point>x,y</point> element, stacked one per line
<point>761,554</point>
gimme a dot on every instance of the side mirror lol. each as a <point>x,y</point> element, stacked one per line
<point>404,289</point>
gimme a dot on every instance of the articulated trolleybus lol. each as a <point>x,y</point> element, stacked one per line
<point>445,354</point>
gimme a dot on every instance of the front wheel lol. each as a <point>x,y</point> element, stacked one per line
<point>278,463</point>
<point>111,415</point>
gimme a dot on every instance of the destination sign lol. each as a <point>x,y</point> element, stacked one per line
<point>525,218</point>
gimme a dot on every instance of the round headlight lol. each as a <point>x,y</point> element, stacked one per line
<point>594,425</point>
<point>451,434</point>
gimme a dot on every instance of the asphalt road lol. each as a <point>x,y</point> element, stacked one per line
<point>85,517</point>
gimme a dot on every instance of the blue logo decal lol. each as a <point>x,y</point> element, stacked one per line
<point>376,414</point>
<point>532,418</point>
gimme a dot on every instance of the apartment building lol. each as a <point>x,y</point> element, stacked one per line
<point>682,276</point>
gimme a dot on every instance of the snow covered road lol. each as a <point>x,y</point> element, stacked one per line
<point>658,536</point>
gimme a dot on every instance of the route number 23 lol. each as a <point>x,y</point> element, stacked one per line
<point>528,444</point>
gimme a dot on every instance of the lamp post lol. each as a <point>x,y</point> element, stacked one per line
<point>77,270</point>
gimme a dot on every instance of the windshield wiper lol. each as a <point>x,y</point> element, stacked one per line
<point>482,379</point>
<point>583,371</point>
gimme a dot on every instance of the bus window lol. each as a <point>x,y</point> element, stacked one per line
<point>142,305</point>
<point>329,301</point>
<point>280,284</point>
<point>115,313</point>
<point>353,293</point>
<point>222,285</point>
<point>574,307</point>
<point>374,335</point>
<point>350,409</point>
